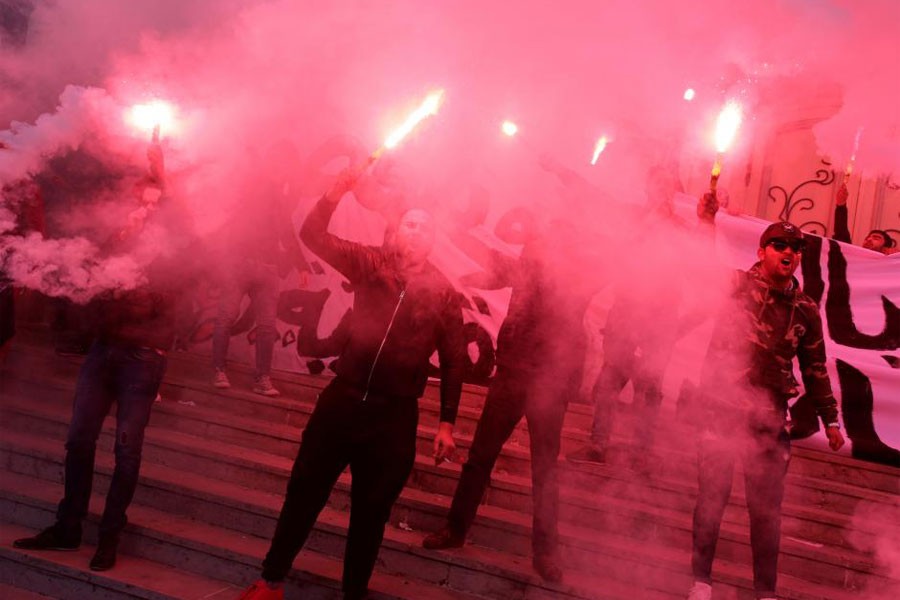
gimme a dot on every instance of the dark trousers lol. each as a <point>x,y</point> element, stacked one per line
<point>510,396</point>
<point>376,437</point>
<point>621,364</point>
<point>130,377</point>
<point>765,455</point>
<point>260,281</point>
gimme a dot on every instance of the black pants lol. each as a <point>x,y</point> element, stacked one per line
<point>377,439</point>
<point>621,364</point>
<point>765,455</point>
<point>510,396</point>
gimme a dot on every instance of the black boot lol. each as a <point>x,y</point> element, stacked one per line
<point>444,538</point>
<point>547,566</point>
<point>55,537</point>
<point>105,556</point>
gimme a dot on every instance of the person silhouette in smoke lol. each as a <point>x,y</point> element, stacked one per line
<point>641,328</point>
<point>125,366</point>
<point>367,417</point>
<point>540,354</point>
<point>746,382</point>
<point>257,247</point>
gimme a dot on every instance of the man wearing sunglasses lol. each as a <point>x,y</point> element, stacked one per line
<point>747,379</point>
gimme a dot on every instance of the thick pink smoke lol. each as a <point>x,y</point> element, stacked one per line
<point>246,69</point>
<point>247,74</point>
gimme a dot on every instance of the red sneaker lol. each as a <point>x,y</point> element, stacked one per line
<point>262,591</point>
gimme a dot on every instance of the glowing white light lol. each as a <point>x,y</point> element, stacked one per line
<point>689,94</point>
<point>509,128</point>
<point>151,115</point>
<point>599,147</point>
<point>727,125</point>
<point>429,107</point>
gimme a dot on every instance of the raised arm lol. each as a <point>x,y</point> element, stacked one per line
<point>841,230</point>
<point>350,258</point>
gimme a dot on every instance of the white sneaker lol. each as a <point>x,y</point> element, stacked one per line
<point>220,380</point>
<point>700,591</point>
<point>263,385</point>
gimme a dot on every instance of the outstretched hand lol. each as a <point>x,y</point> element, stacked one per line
<point>842,195</point>
<point>346,181</point>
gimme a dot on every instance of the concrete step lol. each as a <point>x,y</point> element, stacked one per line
<point>506,531</point>
<point>16,593</point>
<point>252,512</point>
<point>597,509</point>
<point>665,490</point>
<point>186,381</point>
<point>64,575</point>
<point>599,502</point>
<point>203,549</point>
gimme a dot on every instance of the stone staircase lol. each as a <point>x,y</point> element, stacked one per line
<point>216,465</point>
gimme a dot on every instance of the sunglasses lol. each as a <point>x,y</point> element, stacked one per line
<point>782,245</point>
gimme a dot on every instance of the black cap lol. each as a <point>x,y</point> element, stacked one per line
<point>782,230</point>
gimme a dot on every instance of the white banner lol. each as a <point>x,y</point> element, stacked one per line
<point>858,291</point>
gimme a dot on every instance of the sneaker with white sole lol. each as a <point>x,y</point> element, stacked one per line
<point>263,385</point>
<point>700,591</point>
<point>220,380</point>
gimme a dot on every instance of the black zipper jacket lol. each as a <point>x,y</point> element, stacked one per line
<point>398,319</point>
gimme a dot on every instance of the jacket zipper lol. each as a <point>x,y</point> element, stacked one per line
<point>381,347</point>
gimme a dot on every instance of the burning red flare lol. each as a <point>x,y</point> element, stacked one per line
<point>152,117</point>
<point>727,125</point>
<point>429,107</point>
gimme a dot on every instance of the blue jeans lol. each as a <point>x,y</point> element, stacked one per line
<point>260,282</point>
<point>130,377</point>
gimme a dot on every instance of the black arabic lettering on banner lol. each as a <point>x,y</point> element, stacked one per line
<point>857,400</point>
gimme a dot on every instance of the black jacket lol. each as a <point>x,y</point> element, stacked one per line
<point>398,319</point>
<point>554,280</point>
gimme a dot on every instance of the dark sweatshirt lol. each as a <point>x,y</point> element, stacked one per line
<point>143,317</point>
<point>553,281</point>
<point>398,319</point>
<point>146,316</point>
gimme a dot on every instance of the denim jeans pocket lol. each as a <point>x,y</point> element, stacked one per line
<point>146,368</point>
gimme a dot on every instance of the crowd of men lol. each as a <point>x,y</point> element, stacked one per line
<point>405,309</point>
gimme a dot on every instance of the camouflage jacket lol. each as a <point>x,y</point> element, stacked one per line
<point>755,340</point>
